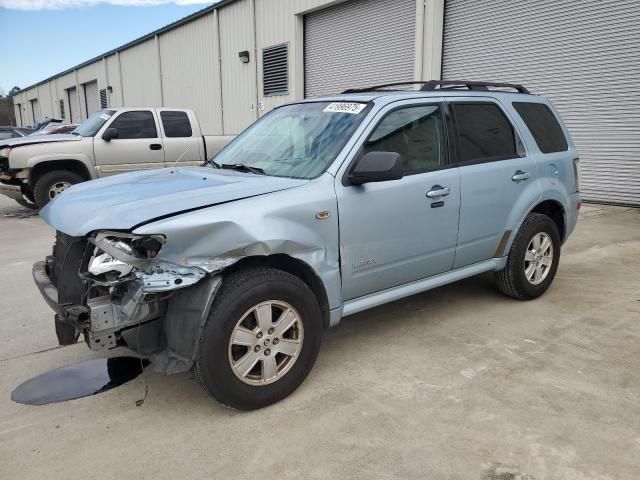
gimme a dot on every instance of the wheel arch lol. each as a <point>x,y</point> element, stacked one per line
<point>295,267</point>
<point>75,166</point>
<point>549,207</point>
<point>554,210</point>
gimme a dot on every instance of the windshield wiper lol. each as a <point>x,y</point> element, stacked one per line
<point>241,167</point>
<point>211,161</point>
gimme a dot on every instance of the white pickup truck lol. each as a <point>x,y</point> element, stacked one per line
<point>33,170</point>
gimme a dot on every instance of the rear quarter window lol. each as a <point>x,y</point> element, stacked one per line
<point>176,124</point>
<point>543,125</point>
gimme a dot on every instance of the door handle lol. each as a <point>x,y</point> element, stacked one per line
<point>519,176</point>
<point>438,191</point>
<point>155,146</point>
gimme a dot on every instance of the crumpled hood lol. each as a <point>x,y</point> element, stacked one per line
<point>30,140</point>
<point>124,201</point>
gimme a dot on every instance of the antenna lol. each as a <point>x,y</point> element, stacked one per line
<point>180,157</point>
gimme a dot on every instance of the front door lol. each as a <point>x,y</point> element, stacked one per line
<point>399,231</point>
<point>137,147</point>
<point>497,177</point>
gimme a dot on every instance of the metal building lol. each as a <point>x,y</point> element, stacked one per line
<point>237,59</point>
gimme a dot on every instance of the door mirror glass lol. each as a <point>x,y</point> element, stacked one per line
<point>109,134</point>
<point>377,167</point>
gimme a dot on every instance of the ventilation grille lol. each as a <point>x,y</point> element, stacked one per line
<point>104,100</point>
<point>275,70</point>
<point>62,109</point>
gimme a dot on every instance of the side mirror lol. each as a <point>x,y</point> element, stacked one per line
<point>376,167</point>
<point>109,134</point>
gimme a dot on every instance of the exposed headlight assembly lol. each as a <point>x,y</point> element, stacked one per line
<point>136,250</point>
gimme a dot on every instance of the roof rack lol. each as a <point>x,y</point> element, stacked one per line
<point>431,85</point>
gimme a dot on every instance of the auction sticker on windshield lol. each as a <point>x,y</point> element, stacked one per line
<point>345,107</point>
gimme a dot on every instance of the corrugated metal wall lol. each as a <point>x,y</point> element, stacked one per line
<point>238,79</point>
<point>359,43</point>
<point>193,84</point>
<point>584,56</point>
<point>141,75</point>
<point>200,65</point>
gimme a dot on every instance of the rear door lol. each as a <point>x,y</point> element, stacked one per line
<point>498,177</point>
<point>182,144</point>
<point>399,231</point>
<point>137,147</point>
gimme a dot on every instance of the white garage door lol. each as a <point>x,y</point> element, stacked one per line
<point>74,105</point>
<point>585,56</point>
<point>357,44</point>
<point>91,98</point>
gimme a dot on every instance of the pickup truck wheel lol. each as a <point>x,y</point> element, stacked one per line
<point>260,340</point>
<point>52,184</point>
<point>533,259</point>
<point>26,203</point>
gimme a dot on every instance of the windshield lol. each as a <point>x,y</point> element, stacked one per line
<point>297,141</point>
<point>91,125</point>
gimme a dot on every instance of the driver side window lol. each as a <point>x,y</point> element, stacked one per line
<point>416,133</point>
<point>135,124</point>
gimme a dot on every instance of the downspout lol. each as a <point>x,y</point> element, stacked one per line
<point>418,61</point>
<point>121,83</point>
<point>75,74</point>
<point>252,6</point>
<point>157,40</point>
<point>106,80</point>
<point>217,18</point>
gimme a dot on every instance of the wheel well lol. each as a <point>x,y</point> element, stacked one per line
<point>293,266</point>
<point>74,166</point>
<point>553,210</point>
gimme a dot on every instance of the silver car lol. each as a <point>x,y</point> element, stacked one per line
<point>320,209</point>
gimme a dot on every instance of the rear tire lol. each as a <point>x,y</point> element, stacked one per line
<point>51,184</point>
<point>241,360</point>
<point>533,259</point>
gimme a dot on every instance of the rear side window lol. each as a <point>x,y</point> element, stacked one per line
<point>416,133</point>
<point>543,125</point>
<point>176,124</point>
<point>135,124</point>
<point>484,133</point>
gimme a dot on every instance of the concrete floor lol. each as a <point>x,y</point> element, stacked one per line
<point>456,383</point>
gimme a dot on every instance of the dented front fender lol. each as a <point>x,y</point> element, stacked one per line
<point>301,223</point>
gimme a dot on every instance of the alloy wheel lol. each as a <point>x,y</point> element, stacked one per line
<point>266,342</point>
<point>538,258</point>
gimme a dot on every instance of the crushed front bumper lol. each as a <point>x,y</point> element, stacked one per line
<point>165,326</point>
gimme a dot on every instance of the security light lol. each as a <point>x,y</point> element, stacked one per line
<point>244,56</point>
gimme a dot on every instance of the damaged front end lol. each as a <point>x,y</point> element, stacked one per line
<point>112,288</point>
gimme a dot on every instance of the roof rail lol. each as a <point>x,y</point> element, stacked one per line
<point>431,85</point>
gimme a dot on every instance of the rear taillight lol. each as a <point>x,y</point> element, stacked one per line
<point>576,172</point>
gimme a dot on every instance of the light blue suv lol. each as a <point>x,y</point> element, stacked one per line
<point>321,209</point>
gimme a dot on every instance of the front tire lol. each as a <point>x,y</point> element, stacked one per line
<point>260,340</point>
<point>533,259</point>
<point>51,184</point>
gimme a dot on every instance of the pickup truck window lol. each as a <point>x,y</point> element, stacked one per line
<point>91,125</point>
<point>135,124</point>
<point>298,141</point>
<point>176,124</point>
<point>416,133</point>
